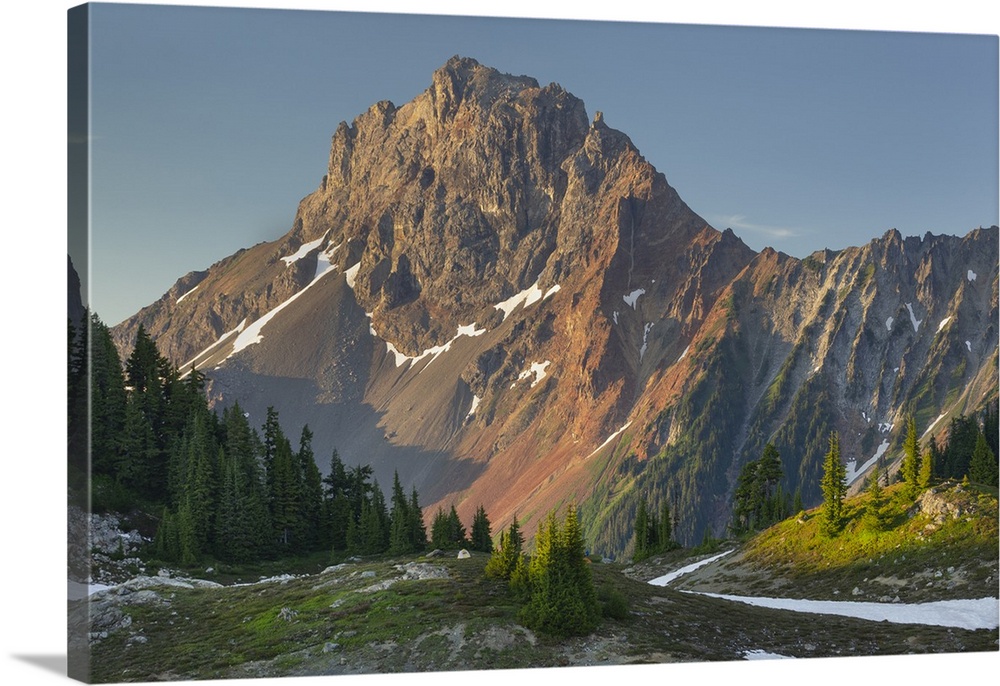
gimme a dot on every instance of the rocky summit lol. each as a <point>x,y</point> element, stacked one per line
<point>494,294</point>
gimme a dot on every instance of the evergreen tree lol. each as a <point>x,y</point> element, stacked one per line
<point>641,547</point>
<point>758,501</point>
<point>311,492</point>
<point>963,433</point>
<point>481,537</point>
<point>927,460</point>
<point>562,600</point>
<point>456,531</point>
<point>400,523</point>
<point>666,529</point>
<point>166,543</point>
<point>107,397</point>
<point>284,497</point>
<point>337,510</point>
<point>797,505</point>
<point>381,511</point>
<point>418,532</point>
<point>440,530</point>
<point>875,517</point>
<point>991,426</point>
<point>983,465</point>
<point>834,487</point>
<point>506,557</point>
<point>745,499</point>
<point>910,468</point>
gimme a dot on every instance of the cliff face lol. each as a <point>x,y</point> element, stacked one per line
<point>488,284</point>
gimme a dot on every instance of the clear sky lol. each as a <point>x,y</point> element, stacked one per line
<point>208,125</point>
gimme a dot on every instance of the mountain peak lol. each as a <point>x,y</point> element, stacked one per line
<point>463,79</point>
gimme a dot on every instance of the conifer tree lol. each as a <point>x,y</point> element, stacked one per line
<point>439,530</point>
<point>963,432</point>
<point>337,511</point>
<point>983,465</point>
<point>927,459</point>
<point>834,487</point>
<point>400,523</point>
<point>875,517</point>
<point>910,468</point>
<point>666,528</point>
<point>418,532</point>
<point>107,397</point>
<point>562,599</point>
<point>311,492</point>
<point>506,557</point>
<point>456,531</point>
<point>285,496</point>
<point>481,537</point>
<point>641,548</point>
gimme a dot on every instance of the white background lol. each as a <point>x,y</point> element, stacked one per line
<point>33,302</point>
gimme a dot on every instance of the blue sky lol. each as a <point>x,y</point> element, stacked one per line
<point>209,125</point>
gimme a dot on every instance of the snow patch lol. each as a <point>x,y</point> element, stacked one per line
<point>684,354</point>
<point>303,250</point>
<point>252,334</point>
<point>187,294</point>
<point>434,352</point>
<point>633,296</point>
<point>614,316</point>
<point>764,655</point>
<point>525,298</point>
<point>932,424</point>
<point>324,261</point>
<point>971,275</point>
<point>187,367</point>
<point>352,275</point>
<point>944,323</point>
<point>537,370</point>
<point>983,613</point>
<point>610,438</point>
<point>552,291</point>
<point>475,404</point>
<point>886,427</point>
<point>667,578</point>
<point>968,344</point>
<point>853,471</point>
<point>888,323</point>
<point>645,335</point>
<point>913,319</point>
<point>969,614</point>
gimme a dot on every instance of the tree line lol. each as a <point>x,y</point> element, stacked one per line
<point>969,454</point>
<point>222,488</point>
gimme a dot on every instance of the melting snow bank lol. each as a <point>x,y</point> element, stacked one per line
<point>609,439</point>
<point>537,370</point>
<point>475,405</point>
<point>853,471</point>
<point>667,578</point>
<point>983,613</point>
<point>961,614</point>
<point>764,655</point>
<point>435,352</point>
<point>913,318</point>
<point>631,298</point>
<point>933,424</point>
<point>187,294</point>
<point>525,298</point>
